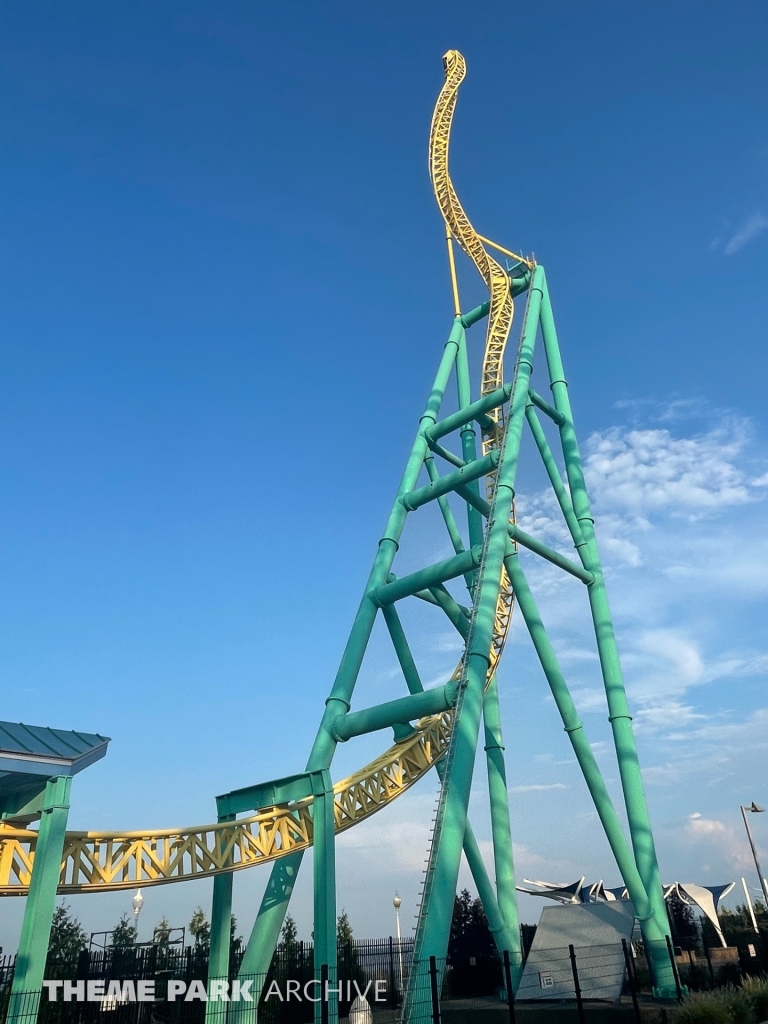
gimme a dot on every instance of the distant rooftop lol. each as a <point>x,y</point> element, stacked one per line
<point>38,750</point>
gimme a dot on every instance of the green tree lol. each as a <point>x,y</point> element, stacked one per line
<point>162,933</point>
<point>123,934</point>
<point>67,935</point>
<point>683,921</point>
<point>343,929</point>
<point>289,936</point>
<point>200,929</point>
<point>235,941</point>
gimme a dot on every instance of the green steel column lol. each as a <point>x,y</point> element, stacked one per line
<point>324,861</point>
<point>41,902</point>
<point>503,859</point>
<point>468,445</point>
<point>221,927</point>
<point>435,919</point>
<point>494,746</point>
<point>274,904</point>
<point>504,936</point>
<point>618,709</point>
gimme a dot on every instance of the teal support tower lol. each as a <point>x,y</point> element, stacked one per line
<point>36,770</point>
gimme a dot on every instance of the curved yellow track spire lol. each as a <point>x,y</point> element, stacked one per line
<point>496,279</point>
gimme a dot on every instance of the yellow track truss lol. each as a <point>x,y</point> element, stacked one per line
<point>496,278</point>
<point>104,861</point>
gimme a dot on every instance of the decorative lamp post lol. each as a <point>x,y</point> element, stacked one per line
<point>396,903</point>
<point>138,903</point>
<point>755,809</point>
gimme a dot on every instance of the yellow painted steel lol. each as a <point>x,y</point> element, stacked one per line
<point>104,861</point>
<point>496,278</point>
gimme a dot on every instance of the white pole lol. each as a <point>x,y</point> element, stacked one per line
<point>749,905</point>
<point>396,904</point>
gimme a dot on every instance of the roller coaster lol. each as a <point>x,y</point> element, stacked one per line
<point>439,727</point>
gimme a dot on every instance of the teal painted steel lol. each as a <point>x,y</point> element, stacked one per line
<point>221,916</point>
<point>452,609</point>
<point>501,828</point>
<point>562,495</point>
<point>490,537</point>
<point>274,904</point>
<point>546,408</point>
<point>618,709</point>
<point>393,712</point>
<point>440,885</point>
<point>475,411</point>
<point>551,556</point>
<point>407,586</point>
<point>402,650</point>
<point>444,484</point>
<point>41,901</point>
<point>324,883</point>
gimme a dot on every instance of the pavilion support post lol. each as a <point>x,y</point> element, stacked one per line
<point>221,928</point>
<point>324,858</point>
<point>41,903</point>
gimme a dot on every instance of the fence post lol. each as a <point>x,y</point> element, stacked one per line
<point>709,958</point>
<point>510,990</point>
<point>434,990</point>
<point>631,979</point>
<point>576,985</point>
<point>324,993</point>
<point>671,951</point>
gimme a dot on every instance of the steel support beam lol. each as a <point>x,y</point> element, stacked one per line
<point>440,886</point>
<point>41,902</point>
<point>433,575</point>
<point>618,709</point>
<point>395,712</point>
<point>274,904</point>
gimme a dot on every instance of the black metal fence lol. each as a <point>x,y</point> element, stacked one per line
<point>377,978</point>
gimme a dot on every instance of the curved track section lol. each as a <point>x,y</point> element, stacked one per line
<point>105,861</point>
<point>497,281</point>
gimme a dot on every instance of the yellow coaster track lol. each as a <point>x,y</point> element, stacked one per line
<point>104,861</point>
<point>496,278</point>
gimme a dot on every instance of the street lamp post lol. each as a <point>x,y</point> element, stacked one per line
<point>396,903</point>
<point>755,809</point>
<point>138,903</point>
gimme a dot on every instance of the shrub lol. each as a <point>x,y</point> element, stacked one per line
<point>746,1004</point>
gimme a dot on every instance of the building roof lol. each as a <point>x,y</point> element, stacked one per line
<point>39,750</point>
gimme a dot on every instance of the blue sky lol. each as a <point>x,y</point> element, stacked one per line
<point>224,298</point>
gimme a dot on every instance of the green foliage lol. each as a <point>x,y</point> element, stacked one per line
<point>757,990</point>
<point>67,935</point>
<point>470,933</point>
<point>123,934</point>
<point>747,1004</point>
<point>343,929</point>
<point>736,924</point>
<point>200,929</point>
<point>289,936</point>
<point>235,941</point>
<point>683,921</point>
<point>162,933</point>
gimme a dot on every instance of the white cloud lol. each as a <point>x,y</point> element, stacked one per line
<point>643,471</point>
<point>539,788</point>
<point>753,226</point>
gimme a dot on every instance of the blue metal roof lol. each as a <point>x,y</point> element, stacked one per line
<point>38,750</point>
